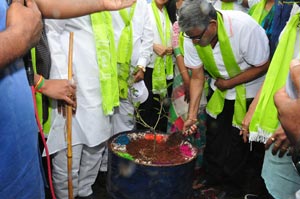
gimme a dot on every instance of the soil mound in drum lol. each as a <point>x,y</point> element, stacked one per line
<point>151,149</point>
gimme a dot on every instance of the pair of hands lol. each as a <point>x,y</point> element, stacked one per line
<point>222,84</point>
<point>279,138</point>
<point>161,50</point>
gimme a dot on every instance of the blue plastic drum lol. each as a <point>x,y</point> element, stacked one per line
<point>130,180</point>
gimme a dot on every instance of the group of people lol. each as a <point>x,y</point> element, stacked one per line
<point>21,28</point>
<point>111,50</point>
<point>224,66</point>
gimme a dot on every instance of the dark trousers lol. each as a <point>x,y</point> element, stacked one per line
<point>228,161</point>
<point>149,110</point>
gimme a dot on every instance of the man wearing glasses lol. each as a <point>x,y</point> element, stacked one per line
<point>234,50</point>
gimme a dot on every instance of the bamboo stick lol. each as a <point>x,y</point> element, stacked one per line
<point>69,121</point>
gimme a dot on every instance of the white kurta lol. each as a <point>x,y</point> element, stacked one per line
<point>89,125</point>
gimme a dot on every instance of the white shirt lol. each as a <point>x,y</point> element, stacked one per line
<point>142,33</point>
<point>89,125</point>
<point>249,44</point>
<point>157,39</point>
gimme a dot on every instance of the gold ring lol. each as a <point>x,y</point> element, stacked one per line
<point>273,139</point>
<point>277,145</point>
<point>284,148</point>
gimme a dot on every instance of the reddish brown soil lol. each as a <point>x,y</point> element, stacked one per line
<point>159,153</point>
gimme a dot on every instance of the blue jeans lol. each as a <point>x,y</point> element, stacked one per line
<point>281,178</point>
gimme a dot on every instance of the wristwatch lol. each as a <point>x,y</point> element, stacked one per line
<point>142,67</point>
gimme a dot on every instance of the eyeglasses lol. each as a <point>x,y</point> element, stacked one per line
<point>198,37</point>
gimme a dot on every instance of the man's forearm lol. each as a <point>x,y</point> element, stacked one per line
<point>61,9</point>
<point>249,75</point>
<point>13,46</point>
<point>196,87</point>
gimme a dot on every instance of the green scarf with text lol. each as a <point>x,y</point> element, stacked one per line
<point>124,52</point>
<point>162,68</point>
<point>216,103</point>
<point>264,120</point>
<point>106,58</point>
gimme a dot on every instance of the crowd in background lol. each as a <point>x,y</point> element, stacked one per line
<point>225,73</point>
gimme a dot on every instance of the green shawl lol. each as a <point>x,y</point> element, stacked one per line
<point>264,121</point>
<point>258,11</point>
<point>107,61</point>
<point>227,5</point>
<point>162,69</point>
<point>124,51</point>
<point>216,103</point>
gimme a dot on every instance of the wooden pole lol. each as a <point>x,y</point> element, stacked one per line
<point>69,120</point>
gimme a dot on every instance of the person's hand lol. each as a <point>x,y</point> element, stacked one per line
<point>159,49</point>
<point>189,127</point>
<point>169,51</point>
<point>60,89</point>
<point>288,108</point>
<point>138,75</point>
<point>281,143</point>
<point>222,84</point>
<point>244,131</point>
<point>62,107</point>
<point>116,4</point>
<point>26,21</point>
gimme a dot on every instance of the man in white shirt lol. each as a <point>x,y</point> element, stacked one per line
<point>237,59</point>
<point>91,124</point>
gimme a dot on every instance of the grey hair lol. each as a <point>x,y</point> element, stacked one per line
<point>195,13</point>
